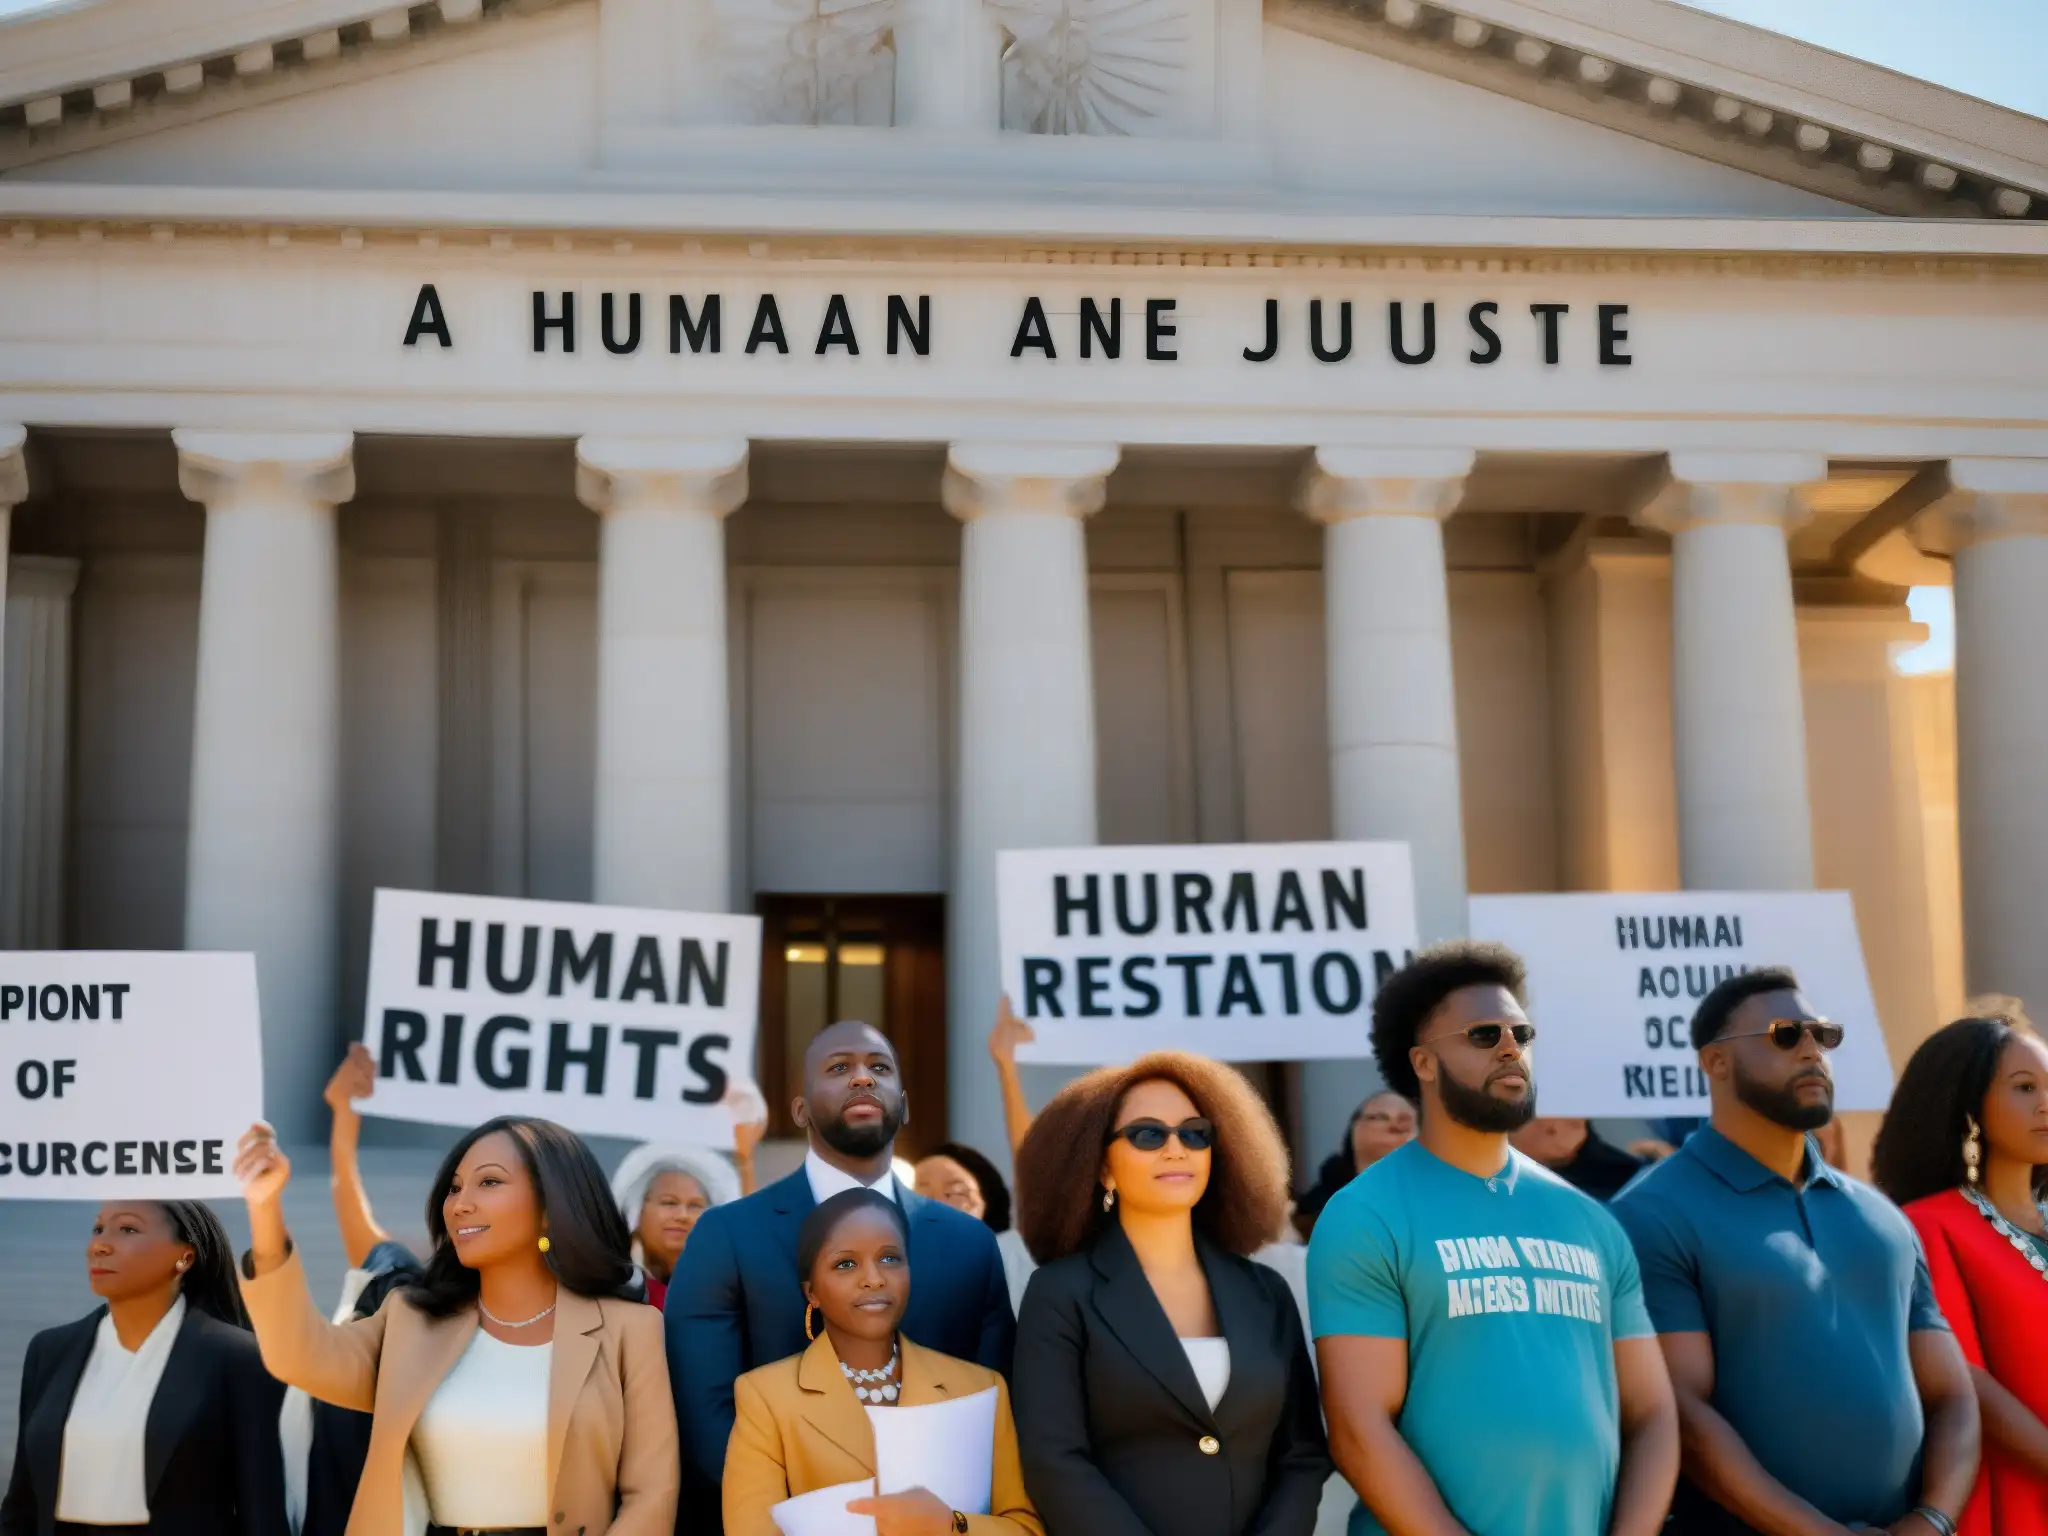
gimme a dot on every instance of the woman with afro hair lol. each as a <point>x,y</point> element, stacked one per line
<point>1163,1380</point>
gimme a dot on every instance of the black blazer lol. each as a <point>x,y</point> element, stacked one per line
<point>211,1461</point>
<point>1112,1424</point>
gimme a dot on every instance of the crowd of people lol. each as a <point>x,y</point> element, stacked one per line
<point>1519,1328</point>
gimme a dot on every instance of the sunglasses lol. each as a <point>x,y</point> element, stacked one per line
<point>1197,1135</point>
<point>1785,1034</point>
<point>1487,1036</point>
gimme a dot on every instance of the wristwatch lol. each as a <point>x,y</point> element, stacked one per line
<point>960,1523</point>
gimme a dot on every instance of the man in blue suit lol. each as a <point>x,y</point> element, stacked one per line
<point>735,1300</point>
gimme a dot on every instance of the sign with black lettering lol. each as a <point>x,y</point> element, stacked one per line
<point>126,1076</point>
<point>1253,952</point>
<point>612,1021</point>
<point>1615,977</point>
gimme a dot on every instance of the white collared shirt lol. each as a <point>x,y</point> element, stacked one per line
<point>827,1181</point>
<point>100,1476</point>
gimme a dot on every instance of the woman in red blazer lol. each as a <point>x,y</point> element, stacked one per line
<point>1964,1148</point>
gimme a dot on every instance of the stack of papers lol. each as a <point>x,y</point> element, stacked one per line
<point>822,1512</point>
<point>947,1447</point>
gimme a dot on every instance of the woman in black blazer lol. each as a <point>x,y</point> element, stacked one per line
<point>200,1457</point>
<point>1162,1384</point>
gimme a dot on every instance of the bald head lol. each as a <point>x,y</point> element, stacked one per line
<point>848,1035</point>
<point>852,1103</point>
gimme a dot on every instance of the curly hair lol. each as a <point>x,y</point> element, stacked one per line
<point>1059,1166</point>
<point>1919,1148</point>
<point>1407,998</point>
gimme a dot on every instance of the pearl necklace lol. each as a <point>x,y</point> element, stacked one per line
<point>888,1389</point>
<point>493,1317</point>
<point>2008,1231</point>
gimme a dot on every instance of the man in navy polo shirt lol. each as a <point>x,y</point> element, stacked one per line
<point>1819,1389</point>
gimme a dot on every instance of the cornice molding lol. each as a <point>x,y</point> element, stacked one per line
<point>94,112</point>
<point>1752,130</point>
<point>1397,248</point>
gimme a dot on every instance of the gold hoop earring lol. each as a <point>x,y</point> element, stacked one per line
<point>544,1244</point>
<point>1973,1150</point>
<point>810,1326</point>
<point>1109,1199</point>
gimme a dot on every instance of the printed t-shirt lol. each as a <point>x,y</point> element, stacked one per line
<point>1510,1292</point>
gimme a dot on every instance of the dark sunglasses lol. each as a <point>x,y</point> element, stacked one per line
<point>1785,1033</point>
<point>1197,1135</point>
<point>1487,1036</point>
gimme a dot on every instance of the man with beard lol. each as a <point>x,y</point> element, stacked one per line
<point>736,1300</point>
<point>1487,1366</point>
<point>1819,1388</point>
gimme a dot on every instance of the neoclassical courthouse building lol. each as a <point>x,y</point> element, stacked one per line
<point>774,454</point>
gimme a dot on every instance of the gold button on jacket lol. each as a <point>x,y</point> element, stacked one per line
<point>1210,1445</point>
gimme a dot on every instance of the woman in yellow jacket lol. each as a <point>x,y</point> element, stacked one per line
<point>518,1374</point>
<point>802,1423</point>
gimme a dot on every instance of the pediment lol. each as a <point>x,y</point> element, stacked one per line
<point>1158,98</point>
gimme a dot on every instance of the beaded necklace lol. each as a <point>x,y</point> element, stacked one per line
<point>2022,1242</point>
<point>875,1386</point>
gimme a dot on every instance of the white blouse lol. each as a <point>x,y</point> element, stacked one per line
<point>1211,1360</point>
<point>482,1439</point>
<point>99,1478</point>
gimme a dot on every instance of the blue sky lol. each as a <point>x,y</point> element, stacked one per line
<point>1996,49</point>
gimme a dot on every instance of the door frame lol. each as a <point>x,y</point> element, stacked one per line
<point>913,929</point>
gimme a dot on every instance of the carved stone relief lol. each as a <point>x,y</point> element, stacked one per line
<point>1069,67</point>
<point>1091,66</point>
<point>807,62</point>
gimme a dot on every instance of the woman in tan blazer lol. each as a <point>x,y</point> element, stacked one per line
<point>802,1422</point>
<point>518,1377</point>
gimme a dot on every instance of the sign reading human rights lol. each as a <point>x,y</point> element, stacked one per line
<point>126,1076</point>
<point>1253,952</point>
<point>612,1021</point>
<point>1614,978</point>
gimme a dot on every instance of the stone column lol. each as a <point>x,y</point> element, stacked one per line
<point>1027,711</point>
<point>13,491</point>
<point>1393,708</point>
<point>949,68</point>
<point>663,835</point>
<point>35,742</point>
<point>263,867</point>
<point>1738,722</point>
<point>1995,524</point>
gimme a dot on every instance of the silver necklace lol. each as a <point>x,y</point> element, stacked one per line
<point>2008,1231</point>
<point>886,1391</point>
<point>491,1316</point>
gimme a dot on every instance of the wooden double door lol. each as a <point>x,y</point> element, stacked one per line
<point>880,959</point>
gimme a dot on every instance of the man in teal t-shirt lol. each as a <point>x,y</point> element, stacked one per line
<point>1487,1362</point>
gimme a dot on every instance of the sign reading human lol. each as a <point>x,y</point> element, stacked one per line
<point>1252,952</point>
<point>126,1076</point>
<point>612,1021</point>
<point>1614,978</point>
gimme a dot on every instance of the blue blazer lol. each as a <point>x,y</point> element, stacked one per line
<point>735,1301</point>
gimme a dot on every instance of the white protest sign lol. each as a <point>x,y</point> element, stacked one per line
<point>126,1076</point>
<point>612,1021</point>
<point>1247,952</point>
<point>1614,978</point>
